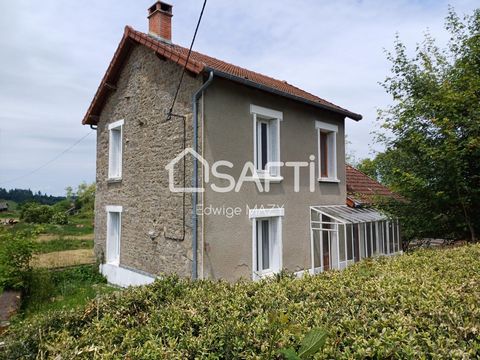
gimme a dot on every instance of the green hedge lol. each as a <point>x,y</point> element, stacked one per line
<point>420,305</point>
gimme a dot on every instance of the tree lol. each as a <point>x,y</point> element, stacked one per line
<point>432,156</point>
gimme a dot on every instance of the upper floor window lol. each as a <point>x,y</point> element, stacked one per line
<point>266,134</point>
<point>115,150</point>
<point>327,151</point>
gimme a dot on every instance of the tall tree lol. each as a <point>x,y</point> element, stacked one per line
<point>432,156</point>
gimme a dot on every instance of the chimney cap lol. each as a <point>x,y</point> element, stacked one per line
<point>161,7</point>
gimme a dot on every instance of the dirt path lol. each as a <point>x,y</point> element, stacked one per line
<point>64,258</point>
<point>9,305</point>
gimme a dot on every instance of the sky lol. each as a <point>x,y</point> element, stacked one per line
<point>55,52</point>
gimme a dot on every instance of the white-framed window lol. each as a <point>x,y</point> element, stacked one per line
<point>114,232</point>
<point>327,151</point>
<point>266,242</point>
<point>115,131</point>
<point>266,136</point>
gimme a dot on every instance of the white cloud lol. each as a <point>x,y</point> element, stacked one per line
<point>54,56</point>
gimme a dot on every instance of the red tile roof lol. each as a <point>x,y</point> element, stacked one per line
<point>364,189</point>
<point>197,64</point>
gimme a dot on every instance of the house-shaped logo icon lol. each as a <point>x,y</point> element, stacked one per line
<point>170,167</point>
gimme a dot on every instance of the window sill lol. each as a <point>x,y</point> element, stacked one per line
<point>114,180</point>
<point>328,180</point>
<point>264,274</point>
<point>272,179</point>
<point>114,263</point>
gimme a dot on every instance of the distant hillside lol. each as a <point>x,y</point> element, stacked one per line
<point>25,195</point>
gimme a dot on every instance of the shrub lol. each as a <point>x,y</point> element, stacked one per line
<point>36,214</point>
<point>420,305</point>
<point>15,254</point>
<point>59,218</point>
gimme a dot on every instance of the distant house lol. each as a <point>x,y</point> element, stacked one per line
<point>362,190</point>
<point>224,114</point>
<point>3,206</point>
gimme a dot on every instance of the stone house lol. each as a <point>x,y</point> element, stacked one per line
<point>260,161</point>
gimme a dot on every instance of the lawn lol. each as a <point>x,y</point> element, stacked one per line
<point>62,289</point>
<point>419,305</point>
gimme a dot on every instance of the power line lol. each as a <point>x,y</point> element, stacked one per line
<point>49,161</point>
<point>186,62</point>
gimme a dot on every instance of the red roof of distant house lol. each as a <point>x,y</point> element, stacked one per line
<point>363,189</point>
<point>197,64</point>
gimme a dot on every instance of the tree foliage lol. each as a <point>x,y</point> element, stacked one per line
<point>432,154</point>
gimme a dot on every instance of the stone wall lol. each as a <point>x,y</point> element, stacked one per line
<point>144,93</point>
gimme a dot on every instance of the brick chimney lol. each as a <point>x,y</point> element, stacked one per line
<point>160,21</point>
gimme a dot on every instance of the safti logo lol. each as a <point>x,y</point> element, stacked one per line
<point>269,173</point>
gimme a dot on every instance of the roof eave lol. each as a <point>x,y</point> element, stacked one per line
<point>247,82</point>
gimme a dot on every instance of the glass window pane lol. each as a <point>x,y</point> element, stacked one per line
<point>356,242</point>
<point>264,145</point>
<point>341,243</point>
<point>326,250</point>
<point>390,237</point>
<point>349,242</point>
<point>369,239</point>
<point>361,232</point>
<point>379,226</point>
<point>316,249</point>
<point>323,154</point>
<point>385,237</point>
<point>265,245</point>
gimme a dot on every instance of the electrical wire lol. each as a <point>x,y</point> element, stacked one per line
<point>186,62</point>
<point>49,161</point>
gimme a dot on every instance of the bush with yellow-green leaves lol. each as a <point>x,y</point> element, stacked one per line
<point>420,305</point>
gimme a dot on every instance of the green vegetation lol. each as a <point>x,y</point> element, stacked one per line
<point>432,154</point>
<point>62,289</point>
<point>62,244</point>
<point>419,305</point>
<point>16,249</point>
<point>48,236</point>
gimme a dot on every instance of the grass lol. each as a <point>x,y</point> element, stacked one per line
<point>62,289</point>
<point>62,244</point>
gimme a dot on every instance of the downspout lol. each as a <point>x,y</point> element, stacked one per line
<point>195,98</point>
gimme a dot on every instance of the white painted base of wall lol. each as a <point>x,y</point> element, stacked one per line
<point>123,277</point>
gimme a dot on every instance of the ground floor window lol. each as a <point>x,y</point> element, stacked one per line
<point>114,225</point>
<point>341,236</point>
<point>267,244</point>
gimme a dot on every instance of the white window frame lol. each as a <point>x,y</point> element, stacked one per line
<point>269,117</point>
<point>113,259</point>
<point>332,132</point>
<point>115,126</point>
<point>275,217</point>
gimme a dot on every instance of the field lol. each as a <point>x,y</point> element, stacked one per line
<point>419,305</point>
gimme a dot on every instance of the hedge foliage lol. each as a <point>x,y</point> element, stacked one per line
<point>420,305</point>
<point>16,249</point>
